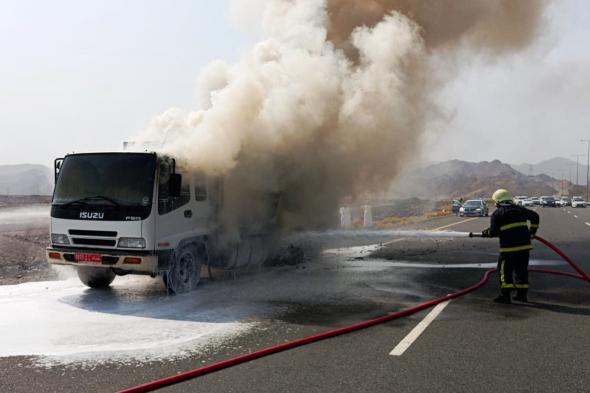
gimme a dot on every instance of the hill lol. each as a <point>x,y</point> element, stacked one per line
<point>557,168</point>
<point>25,179</point>
<point>455,179</point>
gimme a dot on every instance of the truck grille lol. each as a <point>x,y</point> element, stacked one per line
<point>94,242</point>
<point>80,232</point>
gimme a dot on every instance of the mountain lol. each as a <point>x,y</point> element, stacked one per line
<point>25,179</point>
<point>455,179</point>
<point>557,168</point>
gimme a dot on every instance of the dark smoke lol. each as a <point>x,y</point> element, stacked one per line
<point>499,26</point>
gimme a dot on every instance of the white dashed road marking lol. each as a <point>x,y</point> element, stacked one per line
<point>575,216</point>
<point>453,224</point>
<point>417,331</point>
<point>587,223</point>
<point>394,241</point>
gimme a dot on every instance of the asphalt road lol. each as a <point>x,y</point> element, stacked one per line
<point>474,345</point>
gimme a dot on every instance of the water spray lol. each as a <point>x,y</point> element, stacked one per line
<point>375,234</point>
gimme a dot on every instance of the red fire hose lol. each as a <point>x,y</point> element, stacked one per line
<point>226,363</point>
<point>582,274</point>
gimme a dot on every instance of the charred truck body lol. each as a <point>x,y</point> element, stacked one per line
<point>138,213</point>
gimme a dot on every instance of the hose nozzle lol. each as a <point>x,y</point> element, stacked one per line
<point>471,234</point>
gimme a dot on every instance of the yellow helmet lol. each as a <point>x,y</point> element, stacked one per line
<point>502,195</point>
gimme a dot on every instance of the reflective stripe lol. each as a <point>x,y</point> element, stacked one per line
<point>507,286</point>
<point>522,286</point>
<point>502,277</point>
<point>514,225</point>
<point>514,249</point>
<point>534,225</point>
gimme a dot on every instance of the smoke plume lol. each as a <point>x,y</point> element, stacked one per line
<point>336,99</point>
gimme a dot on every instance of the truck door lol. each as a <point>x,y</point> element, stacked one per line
<point>177,216</point>
<point>201,201</point>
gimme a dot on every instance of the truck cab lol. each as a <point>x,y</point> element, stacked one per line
<point>136,213</point>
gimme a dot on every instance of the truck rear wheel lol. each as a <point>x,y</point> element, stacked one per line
<point>185,271</point>
<point>96,277</point>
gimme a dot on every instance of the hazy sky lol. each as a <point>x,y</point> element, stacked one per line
<point>84,76</point>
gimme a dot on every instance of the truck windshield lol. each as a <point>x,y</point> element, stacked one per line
<point>106,178</point>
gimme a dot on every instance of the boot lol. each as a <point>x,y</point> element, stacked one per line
<point>503,299</point>
<point>521,296</point>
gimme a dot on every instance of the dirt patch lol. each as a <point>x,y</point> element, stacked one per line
<point>22,244</point>
<point>22,257</point>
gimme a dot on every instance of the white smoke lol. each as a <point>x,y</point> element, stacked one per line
<point>316,111</point>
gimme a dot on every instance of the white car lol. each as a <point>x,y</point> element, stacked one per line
<point>578,201</point>
<point>565,201</point>
<point>518,199</point>
<point>527,202</point>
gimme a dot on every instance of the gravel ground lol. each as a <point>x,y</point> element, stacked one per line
<point>22,244</point>
<point>22,256</point>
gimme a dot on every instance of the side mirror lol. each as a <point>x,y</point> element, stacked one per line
<point>175,185</point>
<point>56,168</point>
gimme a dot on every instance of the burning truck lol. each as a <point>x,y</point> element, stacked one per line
<point>142,213</point>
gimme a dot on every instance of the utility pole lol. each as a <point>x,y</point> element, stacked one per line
<point>587,165</point>
<point>577,167</point>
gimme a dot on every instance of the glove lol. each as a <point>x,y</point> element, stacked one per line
<point>485,233</point>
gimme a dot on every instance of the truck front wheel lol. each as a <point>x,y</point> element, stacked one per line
<point>185,271</point>
<point>96,277</point>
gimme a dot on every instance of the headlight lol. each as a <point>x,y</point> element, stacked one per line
<point>131,242</point>
<point>477,210</point>
<point>57,238</point>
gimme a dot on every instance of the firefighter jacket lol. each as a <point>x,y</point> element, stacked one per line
<point>514,225</point>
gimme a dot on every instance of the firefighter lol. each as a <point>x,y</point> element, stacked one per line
<point>515,226</point>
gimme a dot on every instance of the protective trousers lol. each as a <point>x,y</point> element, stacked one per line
<point>513,272</point>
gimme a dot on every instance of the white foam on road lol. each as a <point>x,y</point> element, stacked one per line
<point>353,252</point>
<point>65,322</point>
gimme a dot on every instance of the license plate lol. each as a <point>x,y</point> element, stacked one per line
<point>88,258</point>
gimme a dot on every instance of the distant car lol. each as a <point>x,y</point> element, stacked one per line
<point>455,206</point>
<point>578,201</point>
<point>548,201</point>
<point>527,202</point>
<point>565,201</point>
<point>518,199</point>
<point>474,207</point>
<point>536,201</point>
